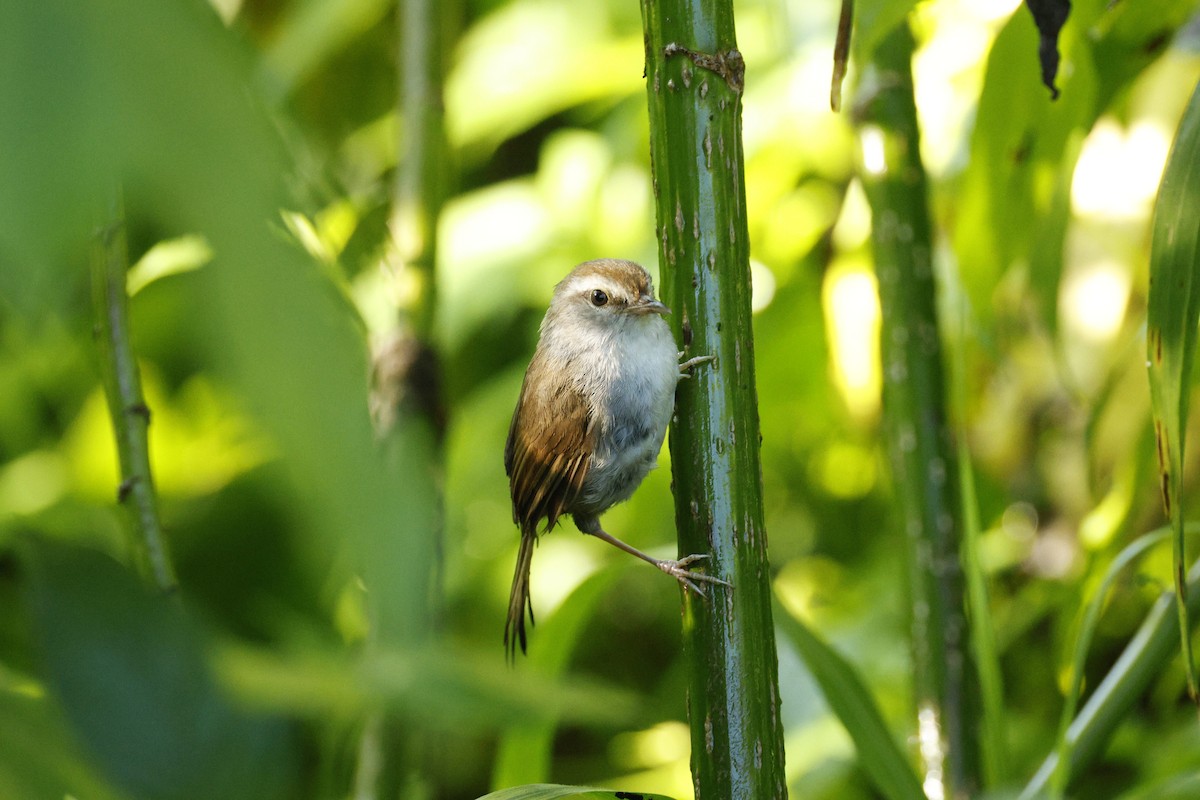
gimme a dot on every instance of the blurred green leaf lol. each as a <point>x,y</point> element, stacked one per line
<point>1134,35</point>
<point>1015,189</point>
<point>879,755</point>
<point>170,257</point>
<point>131,673</point>
<point>481,111</point>
<point>545,791</point>
<point>439,687</point>
<point>52,99</point>
<point>524,751</point>
<point>37,756</point>
<point>875,20</point>
<point>310,32</point>
<point>1171,317</point>
<point>1179,787</point>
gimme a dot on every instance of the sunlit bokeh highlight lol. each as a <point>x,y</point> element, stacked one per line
<point>948,73</point>
<point>852,318</point>
<point>933,752</point>
<point>1119,169</point>
<point>1094,299</point>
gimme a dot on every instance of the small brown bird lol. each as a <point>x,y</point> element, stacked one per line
<point>593,411</point>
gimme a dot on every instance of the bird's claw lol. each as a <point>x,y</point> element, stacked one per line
<point>684,366</point>
<point>678,569</point>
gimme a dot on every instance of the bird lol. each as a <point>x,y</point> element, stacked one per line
<point>592,414</point>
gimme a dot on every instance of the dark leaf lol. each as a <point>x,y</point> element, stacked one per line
<point>1049,16</point>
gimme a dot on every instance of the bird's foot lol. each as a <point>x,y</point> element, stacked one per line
<point>680,571</point>
<point>684,366</point>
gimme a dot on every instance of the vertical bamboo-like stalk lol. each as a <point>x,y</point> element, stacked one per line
<point>694,76</point>
<point>126,404</point>
<point>916,420</point>
<point>406,401</point>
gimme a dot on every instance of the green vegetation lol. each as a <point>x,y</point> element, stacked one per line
<point>340,222</point>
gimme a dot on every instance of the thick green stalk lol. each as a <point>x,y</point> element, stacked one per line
<point>694,77</point>
<point>915,415</point>
<point>126,404</point>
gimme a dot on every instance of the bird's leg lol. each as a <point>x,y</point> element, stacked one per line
<point>684,366</point>
<point>677,569</point>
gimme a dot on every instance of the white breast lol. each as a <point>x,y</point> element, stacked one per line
<point>632,386</point>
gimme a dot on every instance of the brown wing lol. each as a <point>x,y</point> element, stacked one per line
<point>547,453</point>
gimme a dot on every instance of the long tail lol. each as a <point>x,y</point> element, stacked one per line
<point>518,598</point>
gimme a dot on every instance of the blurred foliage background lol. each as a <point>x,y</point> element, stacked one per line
<point>256,145</point>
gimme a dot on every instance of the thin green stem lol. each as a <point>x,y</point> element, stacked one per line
<point>1083,641</point>
<point>919,439</point>
<point>694,81</point>
<point>1142,661</point>
<point>126,404</point>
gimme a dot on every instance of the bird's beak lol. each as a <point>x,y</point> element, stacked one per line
<point>648,305</point>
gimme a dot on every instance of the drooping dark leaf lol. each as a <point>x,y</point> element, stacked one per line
<point>1049,16</point>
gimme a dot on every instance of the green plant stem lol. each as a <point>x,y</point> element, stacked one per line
<point>919,440</point>
<point>407,403</point>
<point>1141,662</point>
<point>694,77</point>
<point>126,404</point>
<point>422,171</point>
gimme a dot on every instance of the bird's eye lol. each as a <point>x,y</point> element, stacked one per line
<point>599,298</point>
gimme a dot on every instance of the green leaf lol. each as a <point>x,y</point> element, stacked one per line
<point>547,791</point>
<point>130,671</point>
<point>524,751</point>
<point>50,89</point>
<point>439,687</point>
<point>1014,202</point>
<point>37,755</point>
<point>880,757</point>
<point>1171,316</point>
<point>875,20</point>
<point>1176,787</point>
<point>1140,664</point>
<point>310,32</point>
<point>1087,628</point>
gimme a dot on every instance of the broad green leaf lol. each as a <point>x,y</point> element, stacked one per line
<point>1171,318</point>
<point>1013,203</point>
<point>37,755</point>
<point>51,98</point>
<point>879,754</point>
<point>131,673</point>
<point>546,791</point>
